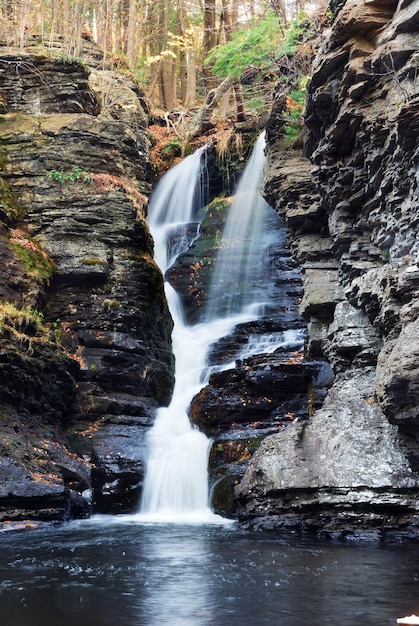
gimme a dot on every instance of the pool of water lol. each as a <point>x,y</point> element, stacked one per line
<point>107,572</point>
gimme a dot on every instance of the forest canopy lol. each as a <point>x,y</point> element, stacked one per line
<point>178,50</point>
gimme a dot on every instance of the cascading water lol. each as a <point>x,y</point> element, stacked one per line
<point>174,211</point>
<point>236,283</point>
<point>176,483</point>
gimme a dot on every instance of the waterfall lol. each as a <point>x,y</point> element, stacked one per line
<point>175,208</point>
<point>237,282</point>
<point>176,482</point>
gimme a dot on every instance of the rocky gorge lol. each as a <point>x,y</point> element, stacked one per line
<point>350,201</point>
<point>323,441</point>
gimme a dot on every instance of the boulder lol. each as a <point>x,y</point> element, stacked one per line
<point>345,471</point>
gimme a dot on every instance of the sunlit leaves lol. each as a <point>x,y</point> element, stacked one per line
<point>251,47</point>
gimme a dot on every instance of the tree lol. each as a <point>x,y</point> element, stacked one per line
<point>203,120</point>
<point>254,47</point>
<point>209,40</point>
<point>187,71</point>
<point>180,50</point>
<point>131,49</point>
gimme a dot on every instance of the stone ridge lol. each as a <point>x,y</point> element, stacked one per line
<point>351,206</point>
<point>80,385</point>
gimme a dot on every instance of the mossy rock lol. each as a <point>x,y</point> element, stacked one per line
<point>191,274</point>
<point>222,496</point>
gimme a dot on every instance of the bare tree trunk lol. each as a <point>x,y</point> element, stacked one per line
<point>230,17</point>
<point>7,9</point>
<point>187,69</point>
<point>145,27</point>
<point>238,95</point>
<point>131,48</point>
<point>209,41</point>
<point>278,6</point>
<point>79,17</point>
<point>22,22</point>
<point>203,120</point>
<point>162,86</point>
<point>66,23</point>
<point>190,96</point>
<point>226,15</point>
<point>234,15</point>
<point>171,84</point>
<point>163,27</point>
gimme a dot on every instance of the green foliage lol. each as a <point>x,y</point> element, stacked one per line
<point>34,259</point>
<point>292,115</point>
<point>254,47</point>
<point>293,36</point>
<point>7,199</point>
<point>110,305</point>
<point>173,148</point>
<point>20,320</point>
<point>69,59</point>
<point>259,46</point>
<point>76,174</point>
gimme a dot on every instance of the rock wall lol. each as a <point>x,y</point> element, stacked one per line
<point>86,375</point>
<point>351,203</point>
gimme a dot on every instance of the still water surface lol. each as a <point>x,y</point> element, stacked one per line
<point>103,573</point>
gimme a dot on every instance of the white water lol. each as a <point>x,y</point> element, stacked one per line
<point>174,207</point>
<point>266,344</point>
<point>236,277</point>
<point>176,483</point>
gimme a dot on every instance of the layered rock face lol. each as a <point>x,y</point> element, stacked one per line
<point>264,383</point>
<point>74,244</point>
<point>351,206</point>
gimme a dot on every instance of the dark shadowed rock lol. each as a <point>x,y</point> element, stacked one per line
<point>75,180</point>
<point>36,84</point>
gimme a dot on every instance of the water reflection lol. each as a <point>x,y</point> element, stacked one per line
<point>178,591</point>
<point>103,574</point>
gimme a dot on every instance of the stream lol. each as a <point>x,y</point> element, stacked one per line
<point>113,571</point>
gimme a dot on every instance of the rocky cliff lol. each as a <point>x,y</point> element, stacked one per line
<point>351,203</point>
<point>85,353</point>
<point>85,349</point>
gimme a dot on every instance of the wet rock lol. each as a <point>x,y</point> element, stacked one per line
<point>350,203</point>
<point>114,439</point>
<point>40,477</point>
<point>119,453</point>
<point>397,382</point>
<point>76,178</point>
<point>241,406</point>
<point>265,389</point>
<point>333,467</point>
<point>285,330</point>
<point>191,273</point>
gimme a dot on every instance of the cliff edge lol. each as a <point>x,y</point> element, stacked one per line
<point>351,203</point>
